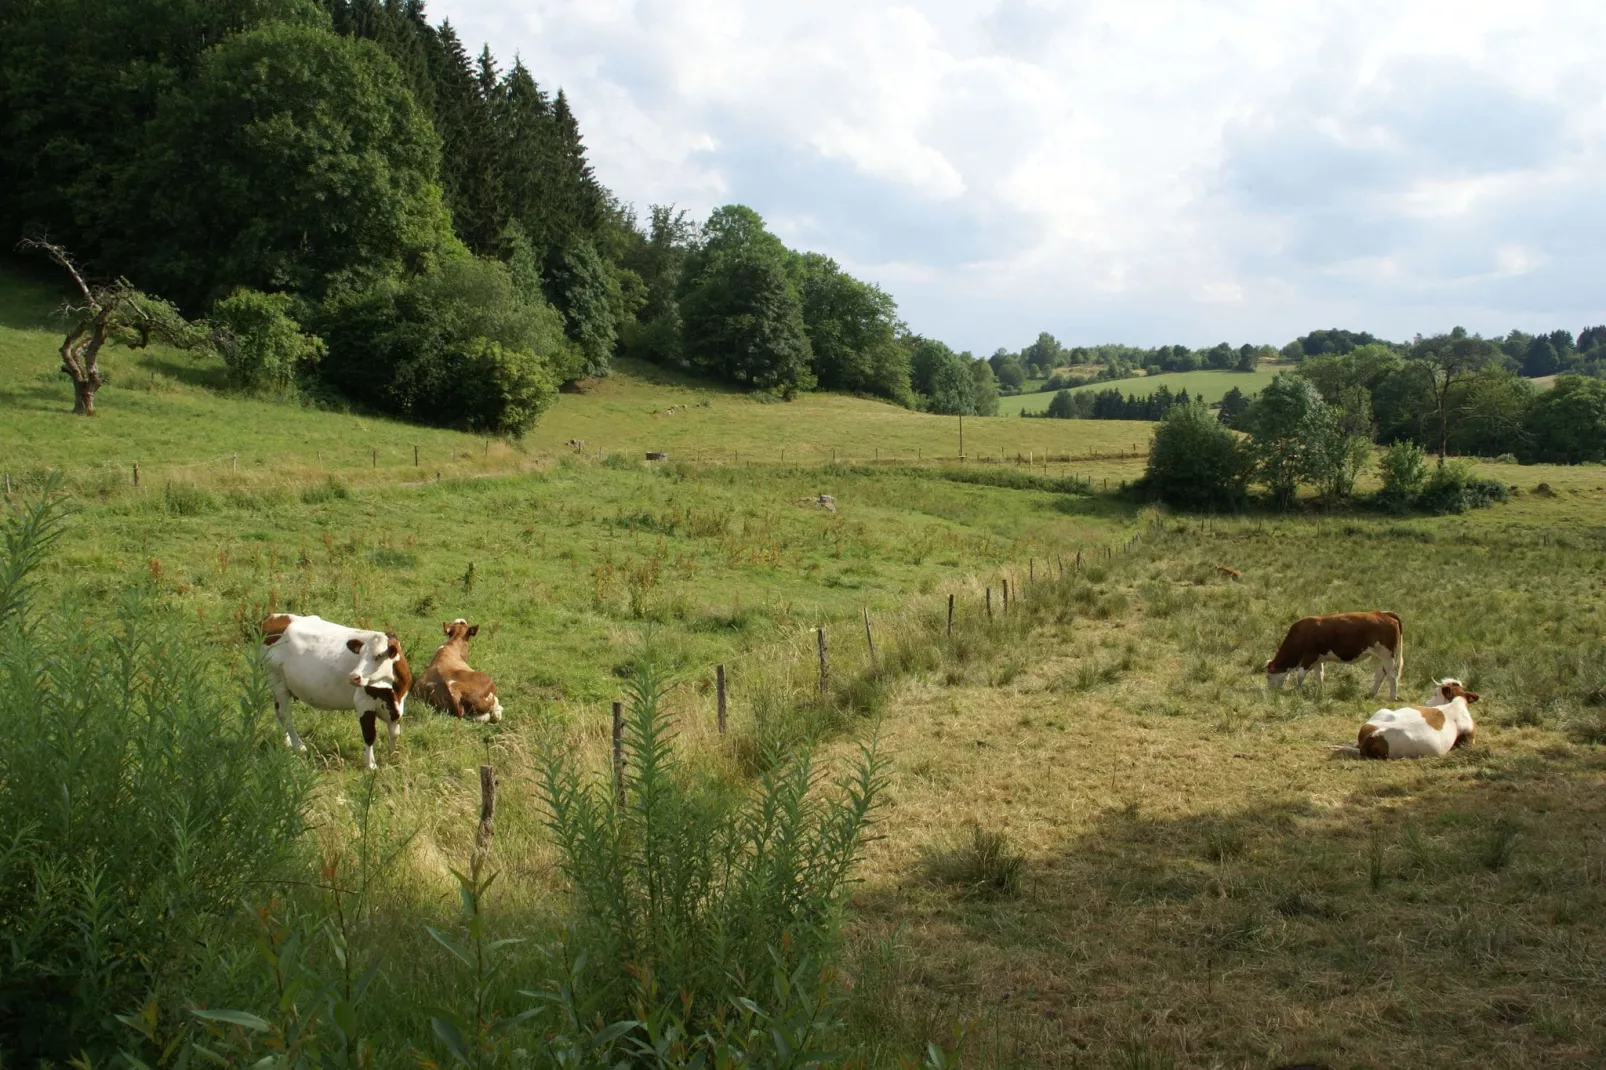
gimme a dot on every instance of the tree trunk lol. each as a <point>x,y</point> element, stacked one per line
<point>84,398</point>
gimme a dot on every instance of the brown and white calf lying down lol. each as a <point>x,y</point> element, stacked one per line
<point>1432,730</point>
<point>333,667</point>
<point>451,686</point>
<point>1311,642</point>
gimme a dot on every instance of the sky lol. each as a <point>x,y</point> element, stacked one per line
<point>1186,172</point>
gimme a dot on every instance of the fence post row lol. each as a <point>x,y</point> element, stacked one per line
<point>619,752</point>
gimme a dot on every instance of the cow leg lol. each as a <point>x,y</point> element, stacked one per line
<point>369,734</point>
<point>1396,664</point>
<point>281,707</point>
<point>1379,671</point>
<point>394,727</point>
<point>1321,679</point>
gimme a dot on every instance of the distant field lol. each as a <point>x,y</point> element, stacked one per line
<point>1210,385</point>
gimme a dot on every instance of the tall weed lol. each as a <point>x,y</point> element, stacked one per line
<point>141,795</point>
<point>691,891</point>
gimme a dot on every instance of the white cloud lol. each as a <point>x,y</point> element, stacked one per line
<point>1117,169</point>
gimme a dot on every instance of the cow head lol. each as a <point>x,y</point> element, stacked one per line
<point>1449,689</point>
<point>460,629</point>
<point>382,672</point>
<point>1446,692</point>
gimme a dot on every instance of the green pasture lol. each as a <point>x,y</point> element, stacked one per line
<point>1210,385</point>
<point>1103,843</point>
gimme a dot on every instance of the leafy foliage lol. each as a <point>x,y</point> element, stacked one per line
<point>295,160</point>
<point>1195,462</point>
<point>1567,423</point>
<point>685,889</point>
<point>459,346</point>
<point>261,343</point>
<point>139,803</point>
<point>1404,470</point>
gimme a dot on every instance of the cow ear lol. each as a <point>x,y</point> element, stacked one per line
<point>354,645</point>
<point>446,629</point>
<point>392,650</point>
<point>1471,696</point>
<point>475,630</point>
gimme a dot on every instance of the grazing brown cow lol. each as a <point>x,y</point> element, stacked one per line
<point>451,686</point>
<point>1230,573</point>
<point>1311,642</point>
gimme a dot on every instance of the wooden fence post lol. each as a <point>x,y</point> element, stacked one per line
<point>869,640</point>
<point>415,455</point>
<point>234,462</point>
<point>374,454</point>
<point>1078,562</point>
<point>136,473</point>
<point>1059,561</point>
<point>950,610</point>
<point>619,752</point>
<point>1031,570</point>
<point>482,838</point>
<point>1006,598</point>
<point>989,603</point>
<point>819,635</point>
<point>719,689</point>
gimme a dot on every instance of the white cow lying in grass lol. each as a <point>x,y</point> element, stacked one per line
<point>333,667</point>
<point>1419,731</point>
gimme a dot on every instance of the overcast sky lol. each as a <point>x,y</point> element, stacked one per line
<point>1117,170</point>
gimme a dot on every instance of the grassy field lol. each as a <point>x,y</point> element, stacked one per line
<point>1103,845</point>
<point>1210,385</point>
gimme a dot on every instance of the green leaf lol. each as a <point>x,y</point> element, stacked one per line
<point>452,1038</point>
<point>461,955</point>
<point>243,1019</point>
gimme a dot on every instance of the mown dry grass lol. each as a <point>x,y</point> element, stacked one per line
<point>1204,884</point>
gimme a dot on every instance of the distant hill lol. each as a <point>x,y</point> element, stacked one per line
<point>1210,385</point>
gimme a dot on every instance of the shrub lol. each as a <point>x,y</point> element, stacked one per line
<point>1195,462</point>
<point>1404,469</point>
<point>459,346</point>
<point>260,342</point>
<point>140,797</point>
<point>1454,489</point>
<point>688,894</point>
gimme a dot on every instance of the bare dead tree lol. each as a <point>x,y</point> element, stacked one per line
<point>111,312</point>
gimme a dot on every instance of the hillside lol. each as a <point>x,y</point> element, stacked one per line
<point>165,410</point>
<point>1210,385</point>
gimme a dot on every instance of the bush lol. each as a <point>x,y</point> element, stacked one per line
<point>140,798</point>
<point>260,342</point>
<point>1454,489</point>
<point>1404,469</point>
<point>689,895</point>
<point>459,346</point>
<point>1195,462</point>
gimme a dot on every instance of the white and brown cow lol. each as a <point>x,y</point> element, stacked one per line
<point>333,667</point>
<point>1311,642</point>
<point>1432,730</point>
<point>451,686</point>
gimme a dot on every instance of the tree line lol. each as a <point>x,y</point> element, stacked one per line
<point>351,207</point>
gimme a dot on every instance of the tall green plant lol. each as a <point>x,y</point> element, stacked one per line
<point>141,795</point>
<point>689,890</point>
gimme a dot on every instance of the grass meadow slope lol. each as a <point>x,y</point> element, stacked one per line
<point>1103,844</point>
<point>1209,385</point>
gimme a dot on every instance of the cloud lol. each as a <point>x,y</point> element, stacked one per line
<point>1242,170</point>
